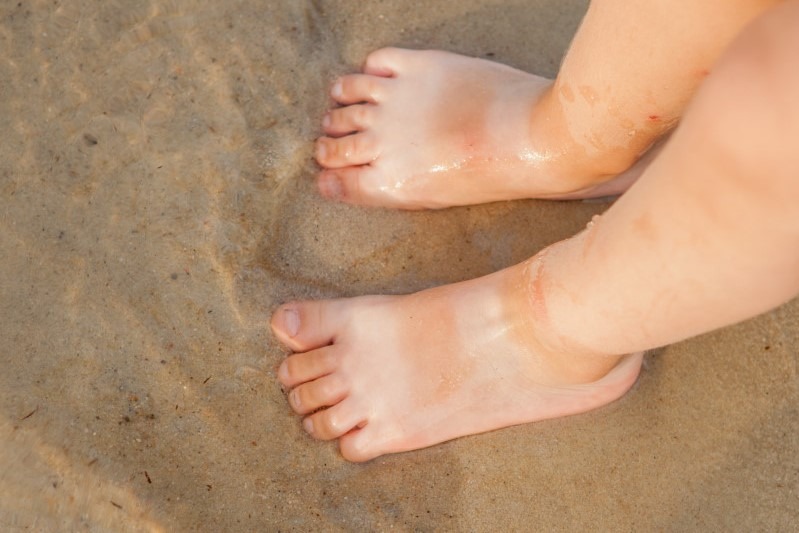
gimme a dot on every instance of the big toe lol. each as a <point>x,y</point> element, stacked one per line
<point>303,326</point>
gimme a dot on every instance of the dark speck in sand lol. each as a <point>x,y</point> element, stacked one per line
<point>90,139</point>
<point>29,414</point>
<point>174,276</point>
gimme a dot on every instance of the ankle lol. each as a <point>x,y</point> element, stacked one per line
<point>585,148</point>
<point>562,360</point>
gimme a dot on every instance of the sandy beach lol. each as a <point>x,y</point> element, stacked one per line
<point>157,203</point>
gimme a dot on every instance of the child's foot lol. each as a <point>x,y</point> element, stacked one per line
<point>429,129</point>
<point>390,374</point>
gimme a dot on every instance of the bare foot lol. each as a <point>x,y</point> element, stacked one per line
<point>430,129</point>
<point>391,374</point>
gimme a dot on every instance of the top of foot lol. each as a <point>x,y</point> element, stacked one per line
<point>430,129</point>
<point>391,374</point>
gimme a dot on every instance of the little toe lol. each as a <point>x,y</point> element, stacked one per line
<point>352,185</point>
<point>335,421</point>
<point>323,392</point>
<point>349,119</point>
<point>364,185</point>
<point>359,446</point>
<point>358,88</point>
<point>303,367</point>
<point>356,149</point>
<point>303,326</point>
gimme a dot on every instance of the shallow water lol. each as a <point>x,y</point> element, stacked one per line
<point>157,202</point>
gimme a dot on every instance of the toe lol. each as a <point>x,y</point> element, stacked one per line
<point>333,422</point>
<point>355,149</point>
<point>349,119</point>
<point>303,326</point>
<point>303,367</point>
<point>352,185</point>
<point>342,185</point>
<point>363,185</point>
<point>323,392</point>
<point>357,88</point>
<point>385,62</point>
<point>358,446</point>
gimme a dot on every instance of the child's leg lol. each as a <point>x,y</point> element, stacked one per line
<point>432,129</point>
<point>709,235</point>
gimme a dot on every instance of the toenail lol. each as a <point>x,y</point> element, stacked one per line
<point>308,425</point>
<point>295,398</point>
<point>330,185</point>
<point>326,121</point>
<point>283,372</point>
<point>291,318</point>
<point>337,90</point>
<point>321,152</point>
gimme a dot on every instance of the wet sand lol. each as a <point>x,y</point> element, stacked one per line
<point>157,202</point>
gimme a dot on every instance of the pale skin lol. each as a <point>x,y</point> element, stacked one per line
<point>707,235</point>
<point>433,129</point>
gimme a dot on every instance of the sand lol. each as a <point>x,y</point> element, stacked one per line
<point>157,203</point>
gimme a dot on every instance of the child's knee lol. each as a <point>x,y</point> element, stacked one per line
<point>750,107</point>
<point>744,120</point>
<point>767,51</point>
